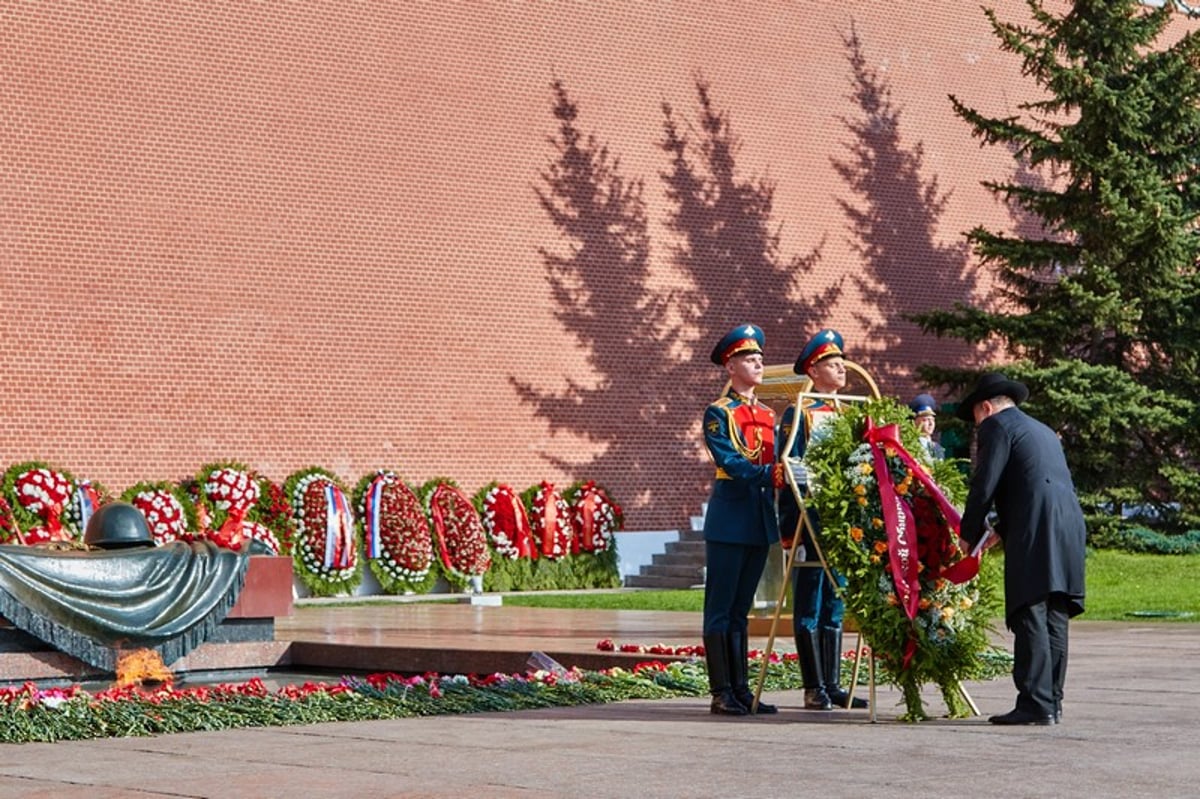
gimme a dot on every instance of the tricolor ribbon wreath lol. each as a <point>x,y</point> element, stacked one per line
<point>396,538</point>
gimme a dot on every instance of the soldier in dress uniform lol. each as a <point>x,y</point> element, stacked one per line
<point>817,609</point>
<point>925,409</point>
<point>740,525</point>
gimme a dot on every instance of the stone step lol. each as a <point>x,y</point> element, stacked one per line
<point>684,547</point>
<point>692,559</point>
<point>653,581</point>
<point>692,571</point>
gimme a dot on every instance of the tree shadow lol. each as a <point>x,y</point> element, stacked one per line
<point>726,243</point>
<point>893,222</point>
<point>649,346</point>
<point>599,280</point>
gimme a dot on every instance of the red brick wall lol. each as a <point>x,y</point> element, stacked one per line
<point>296,233</point>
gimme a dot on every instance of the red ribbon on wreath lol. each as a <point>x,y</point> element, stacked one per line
<point>900,521</point>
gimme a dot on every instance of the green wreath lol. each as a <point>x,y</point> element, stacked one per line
<point>947,640</point>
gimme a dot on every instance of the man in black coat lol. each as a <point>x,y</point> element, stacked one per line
<point>1022,472</point>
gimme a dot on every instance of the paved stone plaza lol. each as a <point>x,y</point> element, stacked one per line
<point>1130,729</point>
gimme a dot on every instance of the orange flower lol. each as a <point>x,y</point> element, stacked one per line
<point>939,585</point>
<point>860,490</point>
<point>856,533</point>
<point>874,558</point>
<point>877,523</point>
<point>880,547</point>
<point>902,489</point>
<point>893,600</point>
<point>862,501</point>
<point>925,603</point>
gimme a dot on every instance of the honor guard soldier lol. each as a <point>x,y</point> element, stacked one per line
<point>740,525</point>
<point>925,409</point>
<point>817,609</point>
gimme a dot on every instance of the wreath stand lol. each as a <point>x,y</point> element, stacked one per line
<point>779,382</point>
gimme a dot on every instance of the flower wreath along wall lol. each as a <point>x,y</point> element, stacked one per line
<point>39,497</point>
<point>507,526</point>
<point>168,509</point>
<point>325,551</point>
<point>457,532</point>
<point>397,543</point>
<point>595,519</point>
<point>550,526</point>
<point>922,625</point>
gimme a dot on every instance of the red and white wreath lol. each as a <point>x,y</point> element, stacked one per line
<point>165,515</point>
<point>45,492</point>
<point>235,492</point>
<point>507,524</point>
<point>462,543</point>
<point>550,521</point>
<point>594,517</point>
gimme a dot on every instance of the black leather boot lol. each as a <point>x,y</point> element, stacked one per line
<point>831,666</point>
<point>716,654</point>
<point>810,671</point>
<point>739,656</point>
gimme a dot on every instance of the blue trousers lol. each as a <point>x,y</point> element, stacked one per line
<point>815,603</point>
<point>733,572</point>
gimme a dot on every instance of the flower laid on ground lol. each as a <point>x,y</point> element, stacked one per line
<point>325,552</point>
<point>457,531</point>
<point>395,532</point>
<point>889,525</point>
<point>29,713</point>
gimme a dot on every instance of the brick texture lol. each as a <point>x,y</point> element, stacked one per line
<point>298,233</point>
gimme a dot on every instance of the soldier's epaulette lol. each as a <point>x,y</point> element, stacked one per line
<point>723,402</point>
<point>808,402</point>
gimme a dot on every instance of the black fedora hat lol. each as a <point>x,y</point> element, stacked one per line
<point>990,385</point>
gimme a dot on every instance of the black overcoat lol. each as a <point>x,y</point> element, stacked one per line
<point>1022,472</point>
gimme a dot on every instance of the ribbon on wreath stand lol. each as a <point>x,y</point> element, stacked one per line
<point>371,522</point>
<point>339,529</point>
<point>900,525</point>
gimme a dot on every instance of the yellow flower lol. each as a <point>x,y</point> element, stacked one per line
<point>856,533</point>
<point>966,602</point>
<point>862,501</point>
<point>874,558</point>
<point>947,612</point>
<point>877,523</point>
<point>860,490</point>
<point>864,468</point>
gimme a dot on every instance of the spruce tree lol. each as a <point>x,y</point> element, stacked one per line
<point>1099,310</point>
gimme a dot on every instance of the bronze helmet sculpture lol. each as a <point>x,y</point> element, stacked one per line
<point>117,525</point>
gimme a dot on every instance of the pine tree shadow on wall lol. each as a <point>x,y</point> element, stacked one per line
<point>647,346</point>
<point>599,280</point>
<point>893,220</point>
<point>727,244</point>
